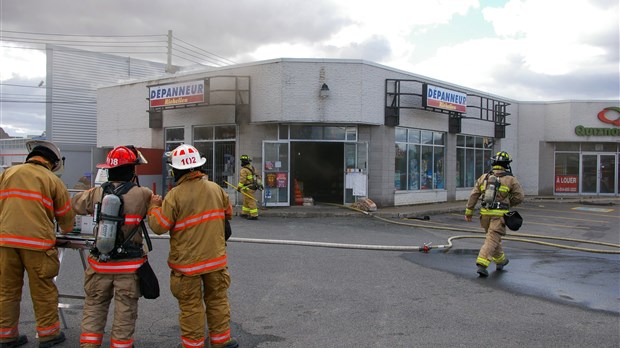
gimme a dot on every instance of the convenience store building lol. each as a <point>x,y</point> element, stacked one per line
<point>337,130</point>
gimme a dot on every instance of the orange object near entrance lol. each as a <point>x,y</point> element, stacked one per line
<point>298,196</point>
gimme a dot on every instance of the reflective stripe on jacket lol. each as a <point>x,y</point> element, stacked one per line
<point>31,198</point>
<point>116,266</point>
<point>194,212</point>
<point>246,177</point>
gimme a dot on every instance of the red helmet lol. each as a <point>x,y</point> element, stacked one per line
<point>119,156</point>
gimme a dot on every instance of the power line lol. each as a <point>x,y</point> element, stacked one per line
<point>187,59</point>
<point>213,54</point>
<point>46,87</point>
<point>82,35</point>
<point>184,49</point>
<point>44,102</point>
<point>13,38</point>
<point>199,56</point>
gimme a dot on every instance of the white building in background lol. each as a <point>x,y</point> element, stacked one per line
<point>73,77</point>
<point>336,130</point>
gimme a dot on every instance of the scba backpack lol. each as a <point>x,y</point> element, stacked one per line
<point>109,243</point>
<point>110,218</point>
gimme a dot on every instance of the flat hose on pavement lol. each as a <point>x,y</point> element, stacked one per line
<point>516,237</point>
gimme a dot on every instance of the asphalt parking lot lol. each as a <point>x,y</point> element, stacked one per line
<point>290,294</point>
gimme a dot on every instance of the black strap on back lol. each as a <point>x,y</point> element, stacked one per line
<point>121,190</point>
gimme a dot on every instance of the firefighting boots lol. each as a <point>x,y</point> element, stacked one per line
<point>56,340</point>
<point>20,341</point>
<point>482,271</point>
<point>230,344</point>
<point>500,266</point>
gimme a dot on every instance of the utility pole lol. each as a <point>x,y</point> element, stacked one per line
<point>169,68</point>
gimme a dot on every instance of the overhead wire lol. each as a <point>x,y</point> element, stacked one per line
<point>184,49</point>
<point>225,60</point>
<point>203,58</point>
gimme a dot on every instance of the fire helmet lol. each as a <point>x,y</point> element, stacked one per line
<point>501,158</point>
<point>245,159</point>
<point>119,156</point>
<point>186,157</point>
<point>46,149</point>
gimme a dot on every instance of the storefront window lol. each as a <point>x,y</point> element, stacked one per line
<point>472,158</point>
<point>174,138</point>
<point>217,145</point>
<point>419,163</point>
<point>566,164</point>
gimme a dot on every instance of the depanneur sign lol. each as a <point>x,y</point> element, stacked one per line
<point>188,92</point>
<point>441,98</point>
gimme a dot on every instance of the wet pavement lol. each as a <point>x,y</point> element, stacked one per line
<point>308,276</point>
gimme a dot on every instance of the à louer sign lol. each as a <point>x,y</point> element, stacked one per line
<point>188,92</point>
<point>445,99</point>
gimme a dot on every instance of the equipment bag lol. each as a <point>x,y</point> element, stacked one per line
<point>149,285</point>
<point>513,220</point>
<point>227,229</point>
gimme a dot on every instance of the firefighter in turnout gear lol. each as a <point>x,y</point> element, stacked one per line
<point>249,182</point>
<point>194,212</point>
<point>498,190</point>
<point>32,197</point>
<point>111,272</point>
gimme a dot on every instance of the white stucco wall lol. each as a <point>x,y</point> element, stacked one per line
<point>287,91</point>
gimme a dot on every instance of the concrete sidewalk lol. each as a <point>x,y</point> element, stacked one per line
<point>413,211</point>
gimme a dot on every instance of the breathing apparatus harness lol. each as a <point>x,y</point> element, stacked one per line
<point>256,184</point>
<point>109,217</point>
<point>492,184</point>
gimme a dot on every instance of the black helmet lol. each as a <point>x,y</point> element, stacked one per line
<point>245,159</point>
<point>502,159</point>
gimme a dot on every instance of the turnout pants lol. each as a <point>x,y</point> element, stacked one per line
<point>194,303</point>
<point>42,267</point>
<point>492,248</point>
<point>249,205</point>
<point>100,288</point>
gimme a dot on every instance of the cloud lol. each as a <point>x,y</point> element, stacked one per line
<point>520,49</point>
<point>19,62</point>
<point>22,111</point>
<point>556,39</point>
<point>542,51</point>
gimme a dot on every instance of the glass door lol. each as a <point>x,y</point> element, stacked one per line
<point>276,173</point>
<point>356,171</point>
<point>598,174</point>
<point>607,167</point>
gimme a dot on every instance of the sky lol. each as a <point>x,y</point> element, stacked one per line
<point>527,50</point>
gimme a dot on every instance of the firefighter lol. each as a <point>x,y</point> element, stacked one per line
<point>194,212</point>
<point>113,275</point>
<point>32,196</point>
<point>498,190</point>
<point>249,182</point>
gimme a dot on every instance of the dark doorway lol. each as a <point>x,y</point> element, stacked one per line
<point>319,169</point>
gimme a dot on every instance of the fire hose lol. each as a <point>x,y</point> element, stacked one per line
<point>426,247</point>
